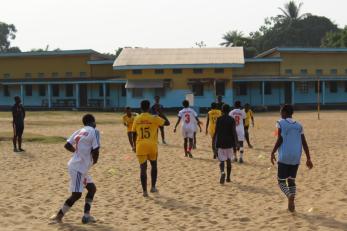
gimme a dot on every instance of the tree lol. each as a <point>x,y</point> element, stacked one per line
<point>291,11</point>
<point>44,49</point>
<point>235,38</point>
<point>335,39</point>
<point>200,44</point>
<point>7,33</point>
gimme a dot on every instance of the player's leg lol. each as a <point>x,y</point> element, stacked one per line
<point>247,137</point>
<point>88,202</point>
<point>154,175</point>
<point>143,177</point>
<point>130,138</point>
<point>241,152</point>
<point>185,146</point>
<point>190,146</point>
<point>162,132</point>
<point>214,150</point>
<point>292,187</point>
<point>194,141</point>
<point>20,131</point>
<point>14,139</point>
<point>282,176</point>
<point>228,169</point>
<point>222,173</point>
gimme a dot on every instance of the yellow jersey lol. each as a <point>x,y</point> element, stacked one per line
<point>213,116</point>
<point>249,115</point>
<point>128,121</point>
<point>146,127</point>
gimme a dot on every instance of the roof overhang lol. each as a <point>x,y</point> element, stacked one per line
<point>301,50</point>
<point>287,78</point>
<point>178,66</point>
<point>100,62</point>
<point>56,81</point>
<point>263,60</point>
<point>144,84</point>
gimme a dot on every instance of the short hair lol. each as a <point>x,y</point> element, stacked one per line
<point>225,108</point>
<point>247,105</point>
<point>185,103</point>
<point>127,108</point>
<point>213,105</point>
<point>157,97</point>
<point>16,98</point>
<point>219,97</point>
<point>237,103</point>
<point>288,109</point>
<point>145,104</point>
<point>88,119</point>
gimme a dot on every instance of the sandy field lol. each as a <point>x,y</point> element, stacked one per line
<point>34,184</point>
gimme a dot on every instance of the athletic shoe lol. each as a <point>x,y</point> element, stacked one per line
<point>186,155</point>
<point>15,150</point>
<point>250,146</point>
<point>214,157</point>
<point>228,180</point>
<point>164,142</point>
<point>88,219</point>
<point>235,159</point>
<point>154,190</point>
<point>241,161</point>
<point>222,178</point>
<point>21,150</point>
<point>190,155</point>
<point>145,194</point>
<point>55,219</point>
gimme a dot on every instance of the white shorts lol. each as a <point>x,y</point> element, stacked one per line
<point>240,133</point>
<point>78,181</point>
<point>224,154</point>
<point>188,132</point>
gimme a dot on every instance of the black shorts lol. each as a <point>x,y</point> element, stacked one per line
<point>18,129</point>
<point>287,171</point>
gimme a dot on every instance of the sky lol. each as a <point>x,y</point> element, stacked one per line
<point>105,25</point>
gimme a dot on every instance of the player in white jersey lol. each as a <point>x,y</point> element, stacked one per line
<point>84,144</point>
<point>239,116</point>
<point>190,119</point>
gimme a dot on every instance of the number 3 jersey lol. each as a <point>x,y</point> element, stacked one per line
<point>146,127</point>
<point>188,116</point>
<point>85,140</point>
<point>239,115</point>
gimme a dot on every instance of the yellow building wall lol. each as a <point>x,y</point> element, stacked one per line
<point>105,70</point>
<point>180,81</point>
<point>314,61</point>
<point>258,69</point>
<point>18,66</point>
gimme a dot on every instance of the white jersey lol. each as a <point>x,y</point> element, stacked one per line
<point>84,140</point>
<point>188,116</point>
<point>239,115</point>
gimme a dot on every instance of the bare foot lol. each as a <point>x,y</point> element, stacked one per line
<point>291,204</point>
<point>57,218</point>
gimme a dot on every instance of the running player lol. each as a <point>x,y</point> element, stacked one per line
<point>128,120</point>
<point>226,141</point>
<point>157,109</point>
<point>239,117</point>
<point>290,142</point>
<point>190,118</point>
<point>249,118</point>
<point>18,115</point>
<point>84,144</point>
<point>145,128</point>
<point>212,117</point>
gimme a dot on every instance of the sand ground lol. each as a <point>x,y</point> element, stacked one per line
<point>34,184</point>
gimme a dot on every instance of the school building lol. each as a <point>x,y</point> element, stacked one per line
<point>85,79</point>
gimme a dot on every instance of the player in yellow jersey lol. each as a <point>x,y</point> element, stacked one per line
<point>248,120</point>
<point>212,117</point>
<point>145,128</point>
<point>128,120</point>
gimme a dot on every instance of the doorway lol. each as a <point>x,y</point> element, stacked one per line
<point>287,93</point>
<point>83,95</point>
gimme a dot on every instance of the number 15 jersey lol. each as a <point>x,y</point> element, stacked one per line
<point>146,127</point>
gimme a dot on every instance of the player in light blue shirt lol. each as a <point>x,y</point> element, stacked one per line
<point>290,142</point>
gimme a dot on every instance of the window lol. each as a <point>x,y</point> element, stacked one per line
<point>124,90</point>
<point>319,72</point>
<point>101,90</point>
<point>219,70</point>
<point>345,71</point>
<point>42,90</point>
<point>303,87</point>
<point>40,75</point>
<point>220,88</point>
<point>55,89</point>
<point>333,71</point>
<point>176,71</point>
<point>137,92</point>
<point>267,88</point>
<point>6,91</point>
<point>83,74</point>
<point>27,75</point>
<point>303,72</point>
<point>7,75</point>
<point>28,90</point>
<point>159,71</point>
<point>137,72</point>
<point>198,89</point>
<point>197,71</point>
<point>68,74</point>
<point>316,87</point>
<point>241,89</point>
<point>345,86</point>
<point>159,92</point>
<point>55,74</point>
<point>288,71</point>
<point>68,90</point>
<point>333,86</point>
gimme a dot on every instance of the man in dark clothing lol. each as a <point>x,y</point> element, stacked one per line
<point>157,109</point>
<point>220,102</point>
<point>18,114</point>
<point>226,141</point>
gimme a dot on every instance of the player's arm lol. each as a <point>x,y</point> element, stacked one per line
<point>124,122</point>
<point>95,155</point>
<point>278,143</point>
<point>233,130</point>
<point>199,123</point>
<point>177,123</point>
<point>307,151</point>
<point>14,113</point>
<point>216,131</point>
<point>23,112</point>
<point>207,122</point>
<point>252,118</point>
<point>69,147</point>
<point>167,122</point>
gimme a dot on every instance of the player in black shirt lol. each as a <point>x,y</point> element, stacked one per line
<point>157,109</point>
<point>220,102</point>
<point>225,138</point>
<point>18,114</point>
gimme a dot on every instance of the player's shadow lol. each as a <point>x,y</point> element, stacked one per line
<point>320,220</point>
<point>173,204</point>
<point>205,159</point>
<point>252,189</point>
<point>75,227</point>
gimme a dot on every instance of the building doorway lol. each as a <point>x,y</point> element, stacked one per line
<point>287,93</point>
<point>83,95</point>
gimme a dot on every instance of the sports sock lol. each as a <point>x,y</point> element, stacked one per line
<point>64,209</point>
<point>87,206</point>
<point>284,187</point>
<point>292,187</point>
<point>221,166</point>
<point>154,173</point>
<point>143,176</point>
<point>241,152</point>
<point>228,168</point>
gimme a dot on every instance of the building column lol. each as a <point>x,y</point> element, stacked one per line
<point>77,87</point>
<point>323,92</point>
<point>232,92</point>
<point>22,92</point>
<point>104,90</point>
<point>293,92</point>
<point>263,93</point>
<point>49,95</point>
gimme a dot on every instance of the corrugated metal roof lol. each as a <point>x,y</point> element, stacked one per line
<point>130,58</point>
<point>49,53</point>
<point>303,50</point>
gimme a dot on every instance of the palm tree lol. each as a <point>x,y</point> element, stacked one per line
<point>234,38</point>
<point>291,11</point>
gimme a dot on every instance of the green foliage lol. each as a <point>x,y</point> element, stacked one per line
<point>7,33</point>
<point>335,39</point>
<point>44,49</point>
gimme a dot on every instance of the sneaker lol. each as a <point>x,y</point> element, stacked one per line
<point>186,155</point>
<point>235,159</point>
<point>154,190</point>
<point>228,180</point>
<point>15,150</point>
<point>145,194</point>
<point>56,219</point>
<point>164,142</point>
<point>21,150</point>
<point>250,146</point>
<point>214,157</point>
<point>88,219</point>
<point>241,161</point>
<point>190,155</point>
<point>222,178</point>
